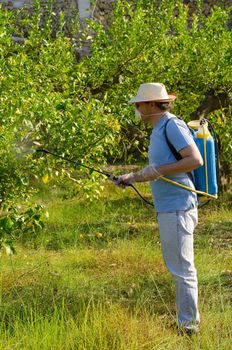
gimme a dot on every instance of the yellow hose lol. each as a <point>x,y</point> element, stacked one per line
<point>189,188</point>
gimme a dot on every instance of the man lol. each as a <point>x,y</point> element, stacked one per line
<point>176,207</point>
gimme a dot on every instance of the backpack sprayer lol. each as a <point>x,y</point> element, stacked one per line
<point>205,177</point>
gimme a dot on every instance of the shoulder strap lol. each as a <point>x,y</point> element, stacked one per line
<point>176,154</point>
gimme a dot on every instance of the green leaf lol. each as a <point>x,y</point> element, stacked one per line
<point>9,247</point>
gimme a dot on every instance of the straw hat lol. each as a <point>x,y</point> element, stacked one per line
<point>152,92</point>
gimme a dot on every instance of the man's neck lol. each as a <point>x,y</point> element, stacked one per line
<point>157,118</point>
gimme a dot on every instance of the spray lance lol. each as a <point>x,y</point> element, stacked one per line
<point>108,175</point>
<point>206,177</point>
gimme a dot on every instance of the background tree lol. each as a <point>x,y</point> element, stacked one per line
<point>79,107</point>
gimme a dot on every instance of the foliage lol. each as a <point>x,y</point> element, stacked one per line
<point>42,99</point>
<point>17,222</point>
<point>78,106</point>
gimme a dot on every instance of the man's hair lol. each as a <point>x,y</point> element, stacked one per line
<point>164,106</point>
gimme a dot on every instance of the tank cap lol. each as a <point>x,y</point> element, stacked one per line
<point>203,121</point>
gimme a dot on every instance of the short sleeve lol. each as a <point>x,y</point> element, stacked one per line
<point>179,134</point>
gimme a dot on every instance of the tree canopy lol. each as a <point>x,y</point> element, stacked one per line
<point>79,106</point>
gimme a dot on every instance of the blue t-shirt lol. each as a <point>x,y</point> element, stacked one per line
<point>168,197</point>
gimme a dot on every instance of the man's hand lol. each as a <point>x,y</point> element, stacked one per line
<point>148,173</point>
<point>125,180</point>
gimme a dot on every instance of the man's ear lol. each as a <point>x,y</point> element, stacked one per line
<point>163,106</point>
<point>152,104</point>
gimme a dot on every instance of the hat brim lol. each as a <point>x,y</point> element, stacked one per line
<point>138,99</point>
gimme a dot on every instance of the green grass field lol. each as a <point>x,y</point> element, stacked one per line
<point>94,279</point>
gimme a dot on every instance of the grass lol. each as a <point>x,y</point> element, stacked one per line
<point>94,279</point>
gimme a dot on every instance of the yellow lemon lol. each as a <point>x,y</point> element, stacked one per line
<point>99,234</point>
<point>45,179</point>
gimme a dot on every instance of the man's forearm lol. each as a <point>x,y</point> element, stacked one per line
<point>153,172</point>
<point>182,166</point>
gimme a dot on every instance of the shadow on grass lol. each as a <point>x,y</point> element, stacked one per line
<point>148,295</point>
<point>94,224</point>
<point>96,235</point>
<point>216,234</point>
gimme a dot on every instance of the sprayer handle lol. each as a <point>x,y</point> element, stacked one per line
<point>112,177</point>
<point>115,178</point>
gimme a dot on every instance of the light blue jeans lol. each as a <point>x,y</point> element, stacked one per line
<point>176,235</point>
